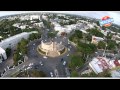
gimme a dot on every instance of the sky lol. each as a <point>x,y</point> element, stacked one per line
<point>95,14</point>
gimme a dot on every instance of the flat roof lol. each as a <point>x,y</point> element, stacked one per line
<point>99,64</point>
<point>13,37</point>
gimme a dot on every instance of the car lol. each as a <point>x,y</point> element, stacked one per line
<point>28,68</point>
<point>41,63</point>
<point>45,57</point>
<point>64,63</point>
<point>68,49</point>
<point>68,55</point>
<point>51,74</point>
<point>96,52</point>
<point>34,44</point>
<point>30,64</point>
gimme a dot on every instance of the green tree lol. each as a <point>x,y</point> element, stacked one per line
<point>101,45</point>
<point>96,32</point>
<point>92,74</point>
<point>89,37</point>
<point>78,34</point>
<point>8,51</point>
<point>52,34</point>
<point>74,74</point>
<point>16,58</point>
<point>75,61</point>
<point>111,45</point>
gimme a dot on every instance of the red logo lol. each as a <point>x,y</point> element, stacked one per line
<point>106,21</point>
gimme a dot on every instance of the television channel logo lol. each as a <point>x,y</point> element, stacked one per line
<point>106,21</point>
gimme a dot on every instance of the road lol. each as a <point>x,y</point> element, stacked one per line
<point>50,64</point>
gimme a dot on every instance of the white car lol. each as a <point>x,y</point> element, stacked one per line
<point>29,68</point>
<point>68,55</point>
<point>41,63</point>
<point>31,64</point>
<point>64,63</point>
<point>51,74</point>
<point>68,49</point>
<point>45,57</point>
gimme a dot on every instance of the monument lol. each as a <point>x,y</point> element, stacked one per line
<point>51,48</point>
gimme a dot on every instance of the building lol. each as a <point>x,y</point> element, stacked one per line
<point>32,17</point>
<point>99,64</point>
<point>115,73</point>
<point>24,17</point>
<point>95,39</point>
<point>51,48</point>
<point>12,41</point>
<point>3,55</point>
<point>40,24</point>
<point>116,38</point>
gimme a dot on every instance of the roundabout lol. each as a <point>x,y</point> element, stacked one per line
<point>51,49</point>
<point>50,63</point>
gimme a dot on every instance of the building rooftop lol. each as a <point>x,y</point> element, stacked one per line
<point>99,64</point>
<point>11,38</point>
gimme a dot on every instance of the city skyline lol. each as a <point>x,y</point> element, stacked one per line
<point>93,14</point>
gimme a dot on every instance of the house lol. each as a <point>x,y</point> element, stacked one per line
<point>32,17</point>
<point>40,24</point>
<point>95,39</point>
<point>99,64</point>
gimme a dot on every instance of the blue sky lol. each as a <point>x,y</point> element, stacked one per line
<point>95,14</point>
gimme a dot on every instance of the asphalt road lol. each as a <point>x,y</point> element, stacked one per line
<point>50,64</point>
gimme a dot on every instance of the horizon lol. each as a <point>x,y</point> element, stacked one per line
<point>92,14</point>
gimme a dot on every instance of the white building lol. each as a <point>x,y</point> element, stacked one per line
<point>40,24</point>
<point>95,39</point>
<point>99,64</point>
<point>12,41</point>
<point>16,25</point>
<point>19,25</point>
<point>32,17</point>
<point>26,17</point>
<point>3,55</point>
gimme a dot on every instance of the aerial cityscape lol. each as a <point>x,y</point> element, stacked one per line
<point>59,44</point>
